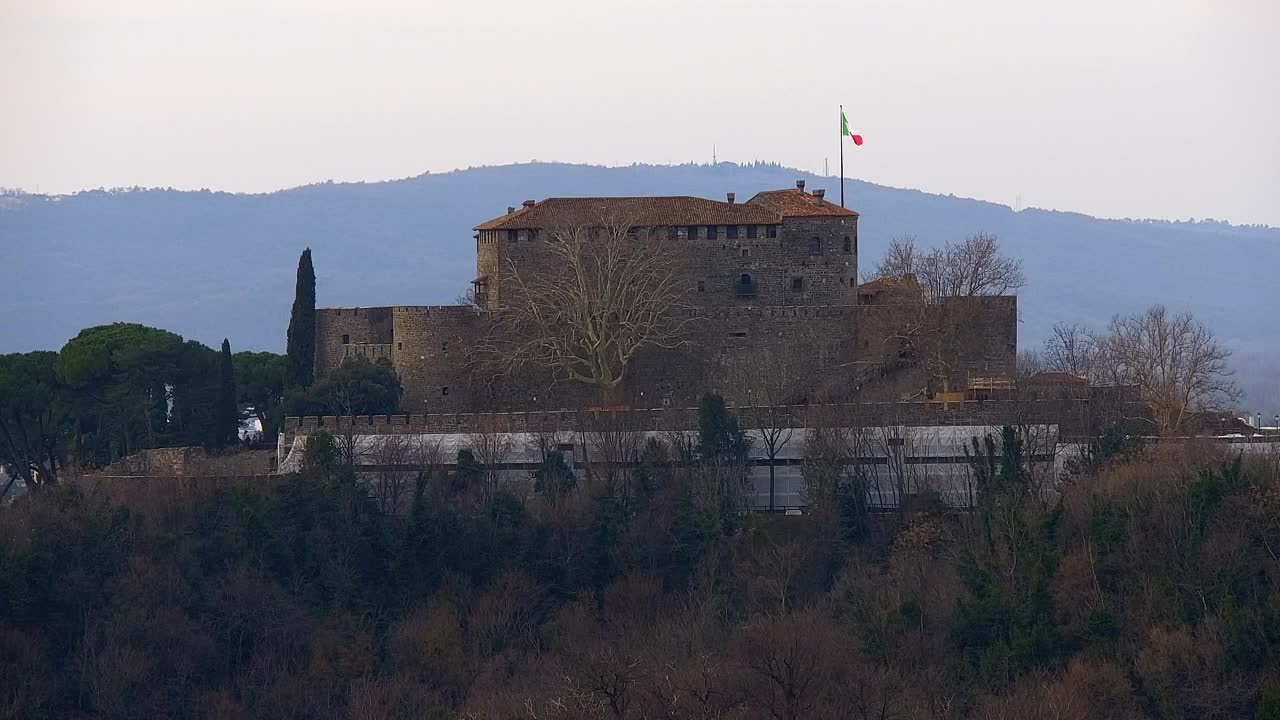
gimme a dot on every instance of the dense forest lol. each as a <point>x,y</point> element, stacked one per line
<point>1148,586</point>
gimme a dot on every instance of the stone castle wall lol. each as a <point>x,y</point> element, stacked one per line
<point>429,353</point>
<point>808,249</point>
<point>351,332</point>
<point>837,352</point>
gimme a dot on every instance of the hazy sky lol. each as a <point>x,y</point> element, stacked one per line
<point>1161,108</point>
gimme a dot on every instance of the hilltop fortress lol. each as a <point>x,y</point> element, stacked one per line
<point>775,274</point>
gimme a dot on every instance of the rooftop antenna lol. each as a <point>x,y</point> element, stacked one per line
<point>713,154</point>
<point>825,171</point>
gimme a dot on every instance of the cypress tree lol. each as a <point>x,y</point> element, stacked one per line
<point>227,415</point>
<point>301,348</point>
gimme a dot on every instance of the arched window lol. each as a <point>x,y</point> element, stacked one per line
<point>848,245</point>
<point>745,279</point>
<point>815,247</point>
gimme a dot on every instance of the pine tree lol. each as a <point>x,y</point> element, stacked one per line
<point>300,371</point>
<point>228,411</point>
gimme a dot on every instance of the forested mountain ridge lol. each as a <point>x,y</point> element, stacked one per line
<point>211,264</point>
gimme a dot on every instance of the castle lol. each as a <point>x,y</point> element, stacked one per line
<point>777,273</point>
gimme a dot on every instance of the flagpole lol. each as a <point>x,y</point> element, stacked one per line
<point>842,156</point>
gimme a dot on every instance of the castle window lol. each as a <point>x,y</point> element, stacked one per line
<point>815,247</point>
<point>753,232</point>
<point>346,339</point>
<point>444,348</point>
<point>771,231</point>
<point>400,346</point>
<point>513,235</point>
<point>746,252</point>
<point>797,283</point>
<point>444,391</point>
<point>712,232</point>
<point>702,286</point>
<point>692,232</point>
<point>533,234</point>
<point>848,245</point>
<point>732,232</point>
<point>673,233</point>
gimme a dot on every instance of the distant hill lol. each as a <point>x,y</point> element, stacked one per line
<point>211,264</point>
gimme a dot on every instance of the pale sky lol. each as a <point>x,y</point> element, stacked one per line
<point>1141,108</point>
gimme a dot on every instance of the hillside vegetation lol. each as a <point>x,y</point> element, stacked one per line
<point>1149,589</point>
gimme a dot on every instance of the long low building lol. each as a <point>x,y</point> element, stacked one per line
<point>892,459</point>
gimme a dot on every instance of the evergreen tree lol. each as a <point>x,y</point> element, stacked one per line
<point>300,371</point>
<point>719,435</point>
<point>228,413</point>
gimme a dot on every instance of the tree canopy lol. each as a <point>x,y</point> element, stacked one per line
<point>357,387</point>
<point>260,386</point>
<point>33,417</point>
<point>301,342</point>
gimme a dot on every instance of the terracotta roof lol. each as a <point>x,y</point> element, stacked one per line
<point>642,211</point>
<point>795,202</point>
<point>890,284</point>
<point>1057,378</point>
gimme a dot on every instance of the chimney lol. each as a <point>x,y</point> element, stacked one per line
<point>510,209</point>
<point>819,193</point>
<point>730,198</point>
<point>800,185</point>
<point>528,203</point>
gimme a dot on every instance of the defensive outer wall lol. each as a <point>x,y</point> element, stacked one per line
<point>841,349</point>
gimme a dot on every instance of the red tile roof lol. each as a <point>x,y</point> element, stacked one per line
<point>890,284</point>
<point>796,202</point>
<point>641,211</point>
<point>1057,378</point>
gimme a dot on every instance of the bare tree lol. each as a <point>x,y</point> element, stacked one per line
<point>1071,349</point>
<point>898,445</point>
<point>826,456</point>
<point>1175,362</point>
<point>612,441</point>
<point>900,258</point>
<point>391,478</point>
<point>492,449</point>
<point>771,383</point>
<point>1029,362</point>
<point>397,461</point>
<point>972,268</point>
<point>602,293</point>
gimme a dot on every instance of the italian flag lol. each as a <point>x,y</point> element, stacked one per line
<point>844,130</point>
